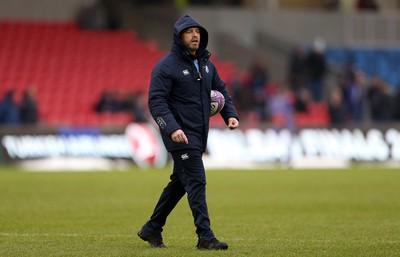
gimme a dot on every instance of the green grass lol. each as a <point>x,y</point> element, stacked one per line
<point>258,213</point>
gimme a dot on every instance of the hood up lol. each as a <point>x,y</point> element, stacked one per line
<point>187,21</point>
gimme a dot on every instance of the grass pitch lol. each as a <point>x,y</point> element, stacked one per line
<point>258,213</point>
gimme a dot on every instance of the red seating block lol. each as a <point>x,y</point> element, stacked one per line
<point>70,67</point>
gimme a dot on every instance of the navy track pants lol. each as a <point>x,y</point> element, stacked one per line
<point>189,177</point>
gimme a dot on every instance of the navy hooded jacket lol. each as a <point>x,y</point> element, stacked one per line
<point>179,96</point>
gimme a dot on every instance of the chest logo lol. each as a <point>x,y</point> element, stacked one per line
<point>186,72</point>
<point>184,156</point>
<point>206,68</point>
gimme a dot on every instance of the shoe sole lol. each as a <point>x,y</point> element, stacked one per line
<point>147,240</point>
<point>212,249</point>
<point>142,237</point>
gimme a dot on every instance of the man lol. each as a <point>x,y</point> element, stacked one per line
<point>179,101</point>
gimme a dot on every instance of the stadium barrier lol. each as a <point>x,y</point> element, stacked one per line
<point>140,144</point>
<point>82,148</point>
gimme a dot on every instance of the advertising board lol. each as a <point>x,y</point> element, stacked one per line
<point>142,145</point>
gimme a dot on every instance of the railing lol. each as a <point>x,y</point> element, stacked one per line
<point>371,29</point>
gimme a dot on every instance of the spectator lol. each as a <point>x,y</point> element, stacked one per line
<point>316,69</point>
<point>302,100</point>
<point>258,76</point>
<point>240,90</point>
<point>9,109</point>
<point>257,82</point>
<point>380,100</point>
<point>337,107</point>
<point>396,104</point>
<point>127,102</point>
<point>297,69</point>
<point>352,86</point>
<point>350,72</point>
<point>240,93</point>
<point>108,102</point>
<point>140,110</point>
<point>354,97</point>
<point>280,107</point>
<point>28,109</point>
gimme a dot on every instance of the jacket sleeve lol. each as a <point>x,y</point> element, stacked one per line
<point>229,110</point>
<point>160,87</point>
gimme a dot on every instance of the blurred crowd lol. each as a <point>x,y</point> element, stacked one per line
<point>24,110</point>
<point>354,98</point>
<point>134,103</point>
<point>15,112</point>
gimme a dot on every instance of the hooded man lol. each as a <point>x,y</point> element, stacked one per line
<point>179,101</point>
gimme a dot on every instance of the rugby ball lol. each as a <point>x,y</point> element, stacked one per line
<point>217,102</point>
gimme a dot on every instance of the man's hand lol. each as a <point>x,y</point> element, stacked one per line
<point>178,136</point>
<point>233,123</point>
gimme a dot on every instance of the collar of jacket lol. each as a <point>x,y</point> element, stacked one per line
<point>203,55</point>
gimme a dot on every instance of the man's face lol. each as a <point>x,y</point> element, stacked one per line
<point>191,39</point>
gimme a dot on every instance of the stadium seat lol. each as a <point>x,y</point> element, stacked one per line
<point>70,67</point>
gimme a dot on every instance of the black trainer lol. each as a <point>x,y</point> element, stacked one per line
<point>213,244</point>
<point>152,239</point>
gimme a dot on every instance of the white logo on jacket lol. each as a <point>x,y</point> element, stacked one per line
<point>206,68</point>
<point>186,72</point>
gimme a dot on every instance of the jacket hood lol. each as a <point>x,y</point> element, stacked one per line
<point>187,21</point>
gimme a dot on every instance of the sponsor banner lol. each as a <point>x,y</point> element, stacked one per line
<point>147,148</point>
<point>139,142</point>
<point>269,145</point>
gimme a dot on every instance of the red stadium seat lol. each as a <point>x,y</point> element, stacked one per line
<point>70,68</point>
